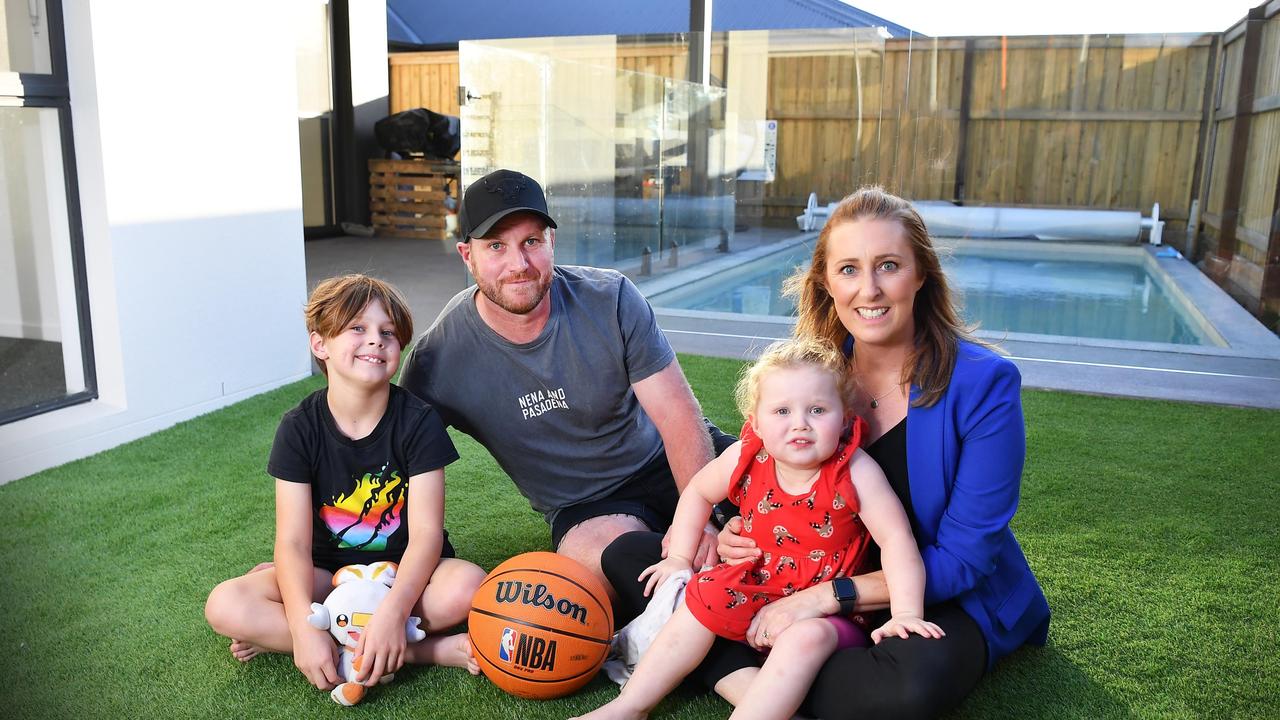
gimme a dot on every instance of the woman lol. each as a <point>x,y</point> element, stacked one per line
<point>946,427</point>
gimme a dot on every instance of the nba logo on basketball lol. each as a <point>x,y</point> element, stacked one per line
<point>507,645</point>
<point>527,652</point>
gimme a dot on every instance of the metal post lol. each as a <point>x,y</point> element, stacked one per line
<point>700,41</point>
<point>962,133</point>
<point>1240,133</point>
<point>1202,146</point>
<point>699,123</point>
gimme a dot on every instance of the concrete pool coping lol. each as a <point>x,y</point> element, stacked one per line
<point>1244,373</point>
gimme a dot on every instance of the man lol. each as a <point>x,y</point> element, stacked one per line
<point>562,374</point>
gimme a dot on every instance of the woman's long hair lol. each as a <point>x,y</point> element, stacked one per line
<point>938,326</point>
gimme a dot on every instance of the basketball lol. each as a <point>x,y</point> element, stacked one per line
<point>540,625</point>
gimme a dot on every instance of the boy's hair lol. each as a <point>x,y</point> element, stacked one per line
<point>794,353</point>
<point>339,300</point>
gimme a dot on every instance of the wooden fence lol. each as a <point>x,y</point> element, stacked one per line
<point>1115,122</point>
<point>1241,195</point>
<point>1048,122</point>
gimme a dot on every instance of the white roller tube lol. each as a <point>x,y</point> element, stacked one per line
<point>946,220</point>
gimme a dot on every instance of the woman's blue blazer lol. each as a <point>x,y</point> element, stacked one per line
<point>964,460</point>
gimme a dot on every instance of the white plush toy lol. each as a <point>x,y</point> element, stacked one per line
<point>357,591</point>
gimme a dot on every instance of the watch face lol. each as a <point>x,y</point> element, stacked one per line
<point>844,588</point>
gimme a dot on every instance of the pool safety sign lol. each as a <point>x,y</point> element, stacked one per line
<point>770,149</point>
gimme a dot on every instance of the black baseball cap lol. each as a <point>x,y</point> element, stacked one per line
<point>496,196</point>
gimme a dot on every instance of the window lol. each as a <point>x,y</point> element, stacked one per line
<point>46,353</point>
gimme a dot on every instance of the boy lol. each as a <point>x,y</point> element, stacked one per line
<point>359,477</point>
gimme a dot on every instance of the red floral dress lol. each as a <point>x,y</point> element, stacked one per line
<point>807,539</point>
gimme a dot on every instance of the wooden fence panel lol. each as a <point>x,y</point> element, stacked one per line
<point>1241,230</point>
<point>1078,123</point>
<point>424,80</point>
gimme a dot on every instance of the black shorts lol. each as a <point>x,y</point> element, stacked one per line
<point>334,564</point>
<point>649,495</point>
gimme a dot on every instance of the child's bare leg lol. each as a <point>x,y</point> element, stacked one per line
<point>681,644</point>
<point>249,610</point>
<point>780,686</point>
<point>445,603</point>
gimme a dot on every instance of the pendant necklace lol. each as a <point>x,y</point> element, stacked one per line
<point>875,401</point>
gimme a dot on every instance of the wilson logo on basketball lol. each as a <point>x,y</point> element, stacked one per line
<point>527,651</point>
<point>515,591</point>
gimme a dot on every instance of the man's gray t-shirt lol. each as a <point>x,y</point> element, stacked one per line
<point>557,413</point>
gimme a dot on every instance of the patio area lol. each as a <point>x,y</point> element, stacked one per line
<point>1247,374</point>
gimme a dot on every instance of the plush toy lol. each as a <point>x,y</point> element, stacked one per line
<point>357,591</point>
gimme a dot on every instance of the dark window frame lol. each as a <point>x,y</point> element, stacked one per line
<point>52,91</point>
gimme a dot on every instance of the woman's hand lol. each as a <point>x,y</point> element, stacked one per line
<point>902,626</point>
<point>315,654</point>
<point>733,547</point>
<point>773,619</point>
<point>381,648</point>
<point>661,570</point>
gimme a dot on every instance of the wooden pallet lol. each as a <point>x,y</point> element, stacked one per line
<point>406,197</point>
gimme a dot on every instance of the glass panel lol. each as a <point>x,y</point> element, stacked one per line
<point>315,111</point>
<point>633,162</point>
<point>24,39</point>
<point>40,352</point>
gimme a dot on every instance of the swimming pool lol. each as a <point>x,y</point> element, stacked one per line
<point>1037,288</point>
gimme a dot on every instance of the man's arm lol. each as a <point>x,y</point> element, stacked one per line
<point>668,400</point>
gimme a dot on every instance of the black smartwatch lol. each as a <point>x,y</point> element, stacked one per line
<point>846,594</point>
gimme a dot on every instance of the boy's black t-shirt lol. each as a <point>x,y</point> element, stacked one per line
<point>359,488</point>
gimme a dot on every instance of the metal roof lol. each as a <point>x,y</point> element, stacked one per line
<point>416,22</point>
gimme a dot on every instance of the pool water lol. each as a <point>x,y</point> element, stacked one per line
<point>1110,293</point>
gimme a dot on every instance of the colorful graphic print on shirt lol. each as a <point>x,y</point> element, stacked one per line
<point>370,514</point>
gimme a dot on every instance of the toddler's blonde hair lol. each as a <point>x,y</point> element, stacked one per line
<point>796,352</point>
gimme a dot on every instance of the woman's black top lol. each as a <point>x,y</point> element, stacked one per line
<point>890,453</point>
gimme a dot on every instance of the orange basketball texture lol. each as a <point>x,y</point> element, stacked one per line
<point>540,625</point>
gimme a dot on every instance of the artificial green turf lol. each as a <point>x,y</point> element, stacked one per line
<point>1151,526</point>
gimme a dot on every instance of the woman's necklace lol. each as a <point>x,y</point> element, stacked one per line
<point>875,401</point>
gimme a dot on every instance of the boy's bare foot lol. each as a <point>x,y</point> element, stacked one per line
<point>446,650</point>
<point>244,651</point>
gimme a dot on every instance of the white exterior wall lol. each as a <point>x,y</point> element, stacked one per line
<point>370,80</point>
<point>186,141</point>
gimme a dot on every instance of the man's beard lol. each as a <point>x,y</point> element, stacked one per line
<point>494,294</point>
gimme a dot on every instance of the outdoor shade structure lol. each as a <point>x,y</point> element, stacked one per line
<point>411,23</point>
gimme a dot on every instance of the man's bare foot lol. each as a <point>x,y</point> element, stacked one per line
<point>244,651</point>
<point>446,650</point>
<point>613,710</point>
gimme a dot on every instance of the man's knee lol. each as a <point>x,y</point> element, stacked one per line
<point>590,537</point>
<point>632,552</point>
<point>586,541</point>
